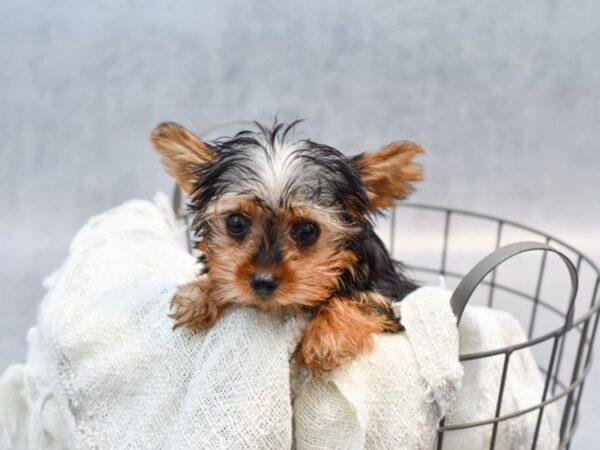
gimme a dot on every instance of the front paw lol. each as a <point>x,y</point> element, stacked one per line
<point>193,308</point>
<point>340,331</point>
<point>323,349</point>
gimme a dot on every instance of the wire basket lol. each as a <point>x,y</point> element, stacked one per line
<point>558,309</point>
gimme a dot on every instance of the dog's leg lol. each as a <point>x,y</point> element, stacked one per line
<point>342,329</point>
<point>194,307</point>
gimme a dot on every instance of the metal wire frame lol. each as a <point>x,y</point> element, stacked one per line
<point>572,390</point>
<point>585,325</point>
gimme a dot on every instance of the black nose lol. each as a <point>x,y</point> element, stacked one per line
<point>263,283</point>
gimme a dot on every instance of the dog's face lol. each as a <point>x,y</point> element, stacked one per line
<point>279,220</point>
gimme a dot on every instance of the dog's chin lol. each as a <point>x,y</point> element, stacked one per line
<point>282,300</point>
<point>272,304</point>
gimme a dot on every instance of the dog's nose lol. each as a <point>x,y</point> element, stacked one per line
<point>264,283</point>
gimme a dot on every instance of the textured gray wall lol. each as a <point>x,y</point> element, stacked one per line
<point>504,95</point>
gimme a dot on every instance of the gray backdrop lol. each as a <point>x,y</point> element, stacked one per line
<point>504,95</point>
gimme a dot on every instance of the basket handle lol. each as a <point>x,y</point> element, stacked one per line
<point>469,283</point>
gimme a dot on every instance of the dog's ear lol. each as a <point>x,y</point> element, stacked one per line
<point>182,152</point>
<point>388,173</point>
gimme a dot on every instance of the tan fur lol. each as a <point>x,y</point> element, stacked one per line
<point>194,306</point>
<point>181,152</point>
<point>342,329</point>
<point>231,261</point>
<point>389,172</point>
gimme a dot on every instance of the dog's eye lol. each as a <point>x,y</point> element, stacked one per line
<point>237,225</point>
<point>306,233</point>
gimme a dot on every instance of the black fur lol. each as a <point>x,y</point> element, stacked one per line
<point>376,271</point>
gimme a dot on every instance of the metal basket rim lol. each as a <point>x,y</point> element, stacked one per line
<point>576,321</point>
<point>509,222</point>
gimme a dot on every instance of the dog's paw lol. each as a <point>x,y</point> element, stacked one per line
<point>326,345</point>
<point>193,307</point>
<point>324,349</point>
<point>342,330</point>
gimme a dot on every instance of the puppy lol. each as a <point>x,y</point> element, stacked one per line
<point>285,224</point>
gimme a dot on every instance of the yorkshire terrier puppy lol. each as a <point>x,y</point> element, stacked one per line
<point>285,224</point>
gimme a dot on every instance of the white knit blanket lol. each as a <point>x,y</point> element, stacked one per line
<point>105,369</point>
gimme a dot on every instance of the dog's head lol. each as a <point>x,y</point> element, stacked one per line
<point>278,219</point>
